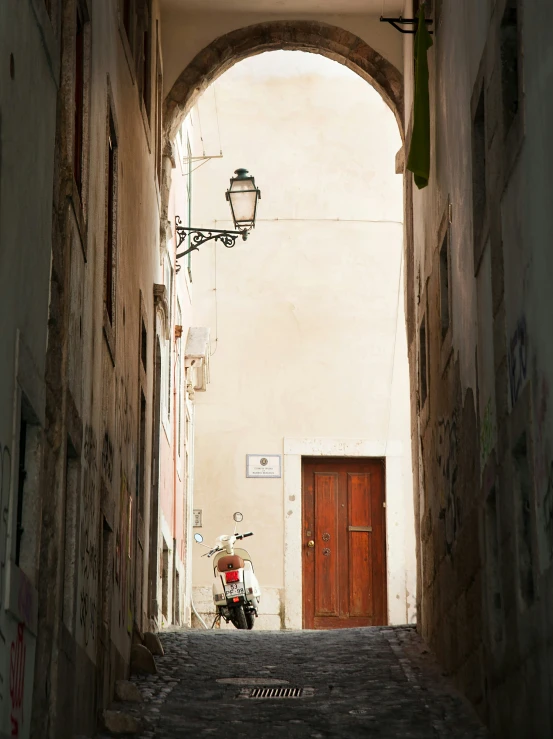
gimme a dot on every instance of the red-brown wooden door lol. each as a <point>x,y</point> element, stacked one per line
<point>344,543</point>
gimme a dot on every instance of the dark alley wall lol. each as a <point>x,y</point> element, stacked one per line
<point>93,496</point>
<point>480,356</point>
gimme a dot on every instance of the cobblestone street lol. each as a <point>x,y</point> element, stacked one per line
<point>379,682</point>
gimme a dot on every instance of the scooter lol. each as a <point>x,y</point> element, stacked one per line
<point>236,592</point>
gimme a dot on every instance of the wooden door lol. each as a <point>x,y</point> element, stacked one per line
<point>344,543</point>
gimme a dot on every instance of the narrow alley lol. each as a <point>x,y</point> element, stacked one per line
<point>286,263</point>
<point>378,682</point>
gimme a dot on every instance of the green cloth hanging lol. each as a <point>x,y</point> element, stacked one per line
<point>419,152</point>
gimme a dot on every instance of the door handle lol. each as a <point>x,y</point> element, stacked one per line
<point>311,544</point>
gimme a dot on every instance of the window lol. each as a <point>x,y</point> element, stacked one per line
<point>142,455</point>
<point>522,483</point>
<point>479,176</point>
<point>423,362</point>
<point>176,618</point>
<point>128,18</point>
<point>509,64</point>
<point>111,222</point>
<point>168,368</point>
<point>165,582</point>
<point>444,284</point>
<point>28,466</point>
<point>178,379</point>
<point>159,107</point>
<point>493,589</point>
<point>143,345</point>
<point>21,476</point>
<point>107,572</point>
<point>189,452</point>
<point>79,99</point>
<point>146,55</point>
<point>72,470</point>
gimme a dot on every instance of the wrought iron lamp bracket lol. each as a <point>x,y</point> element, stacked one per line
<point>199,236</point>
<point>398,22</point>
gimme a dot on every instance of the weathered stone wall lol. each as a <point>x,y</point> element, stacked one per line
<point>485,426</point>
<point>28,91</point>
<point>95,482</point>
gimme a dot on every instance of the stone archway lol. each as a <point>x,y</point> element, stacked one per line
<point>214,60</point>
<point>311,36</point>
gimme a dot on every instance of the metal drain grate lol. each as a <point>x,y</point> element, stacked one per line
<point>269,691</point>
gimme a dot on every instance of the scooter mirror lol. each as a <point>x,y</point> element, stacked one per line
<point>199,538</point>
<point>238,517</point>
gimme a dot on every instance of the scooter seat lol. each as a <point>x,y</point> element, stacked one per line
<point>230,562</point>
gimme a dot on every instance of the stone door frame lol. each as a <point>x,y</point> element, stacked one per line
<point>294,450</point>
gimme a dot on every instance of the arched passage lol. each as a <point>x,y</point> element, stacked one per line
<point>310,36</point>
<point>290,306</point>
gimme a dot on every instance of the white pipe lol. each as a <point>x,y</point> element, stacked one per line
<point>197,614</point>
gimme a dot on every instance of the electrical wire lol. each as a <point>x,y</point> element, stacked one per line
<point>217,117</point>
<point>200,124</point>
<point>317,220</point>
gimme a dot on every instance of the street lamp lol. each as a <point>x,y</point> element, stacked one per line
<point>242,196</point>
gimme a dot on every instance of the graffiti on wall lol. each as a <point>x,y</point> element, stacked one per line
<point>518,360</point>
<point>548,509</point>
<point>125,427</point>
<point>89,567</point>
<point>5,482</point>
<point>487,434</point>
<point>543,468</point>
<point>446,458</point>
<point>125,431</point>
<point>107,458</point>
<point>18,651</point>
<point>121,547</point>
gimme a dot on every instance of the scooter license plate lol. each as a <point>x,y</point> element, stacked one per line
<point>234,588</point>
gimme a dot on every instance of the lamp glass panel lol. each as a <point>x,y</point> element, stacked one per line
<point>243,204</point>
<point>244,183</point>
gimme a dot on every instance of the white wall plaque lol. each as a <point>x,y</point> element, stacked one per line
<point>197,518</point>
<point>263,465</point>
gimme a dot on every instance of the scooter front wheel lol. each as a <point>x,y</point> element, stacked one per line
<point>238,617</point>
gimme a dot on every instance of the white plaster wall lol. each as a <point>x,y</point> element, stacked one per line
<point>308,313</point>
